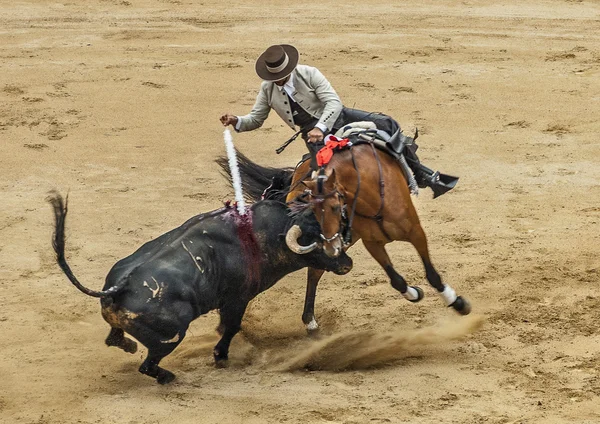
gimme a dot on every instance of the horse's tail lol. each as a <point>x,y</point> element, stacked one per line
<point>58,243</point>
<point>256,179</point>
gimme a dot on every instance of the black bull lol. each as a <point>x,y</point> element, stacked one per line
<point>218,260</point>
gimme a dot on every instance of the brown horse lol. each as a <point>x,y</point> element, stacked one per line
<point>378,207</point>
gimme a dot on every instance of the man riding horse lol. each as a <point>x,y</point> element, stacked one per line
<point>303,98</point>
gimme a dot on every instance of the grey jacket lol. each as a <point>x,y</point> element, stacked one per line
<point>313,93</point>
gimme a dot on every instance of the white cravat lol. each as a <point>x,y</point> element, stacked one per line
<point>288,87</point>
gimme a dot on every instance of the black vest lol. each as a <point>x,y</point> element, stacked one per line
<point>301,117</point>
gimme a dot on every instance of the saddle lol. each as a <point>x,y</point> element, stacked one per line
<point>394,145</point>
<point>403,149</point>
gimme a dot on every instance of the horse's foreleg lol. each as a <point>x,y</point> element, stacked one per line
<point>377,250</point>
<point>419,241</point>
<point>308,316</point>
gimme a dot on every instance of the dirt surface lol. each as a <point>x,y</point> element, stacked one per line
<point>118,102</point>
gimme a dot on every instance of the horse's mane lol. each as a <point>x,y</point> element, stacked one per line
<point>256,179</point>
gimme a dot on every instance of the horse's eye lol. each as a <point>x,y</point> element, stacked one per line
<point>336,209</point>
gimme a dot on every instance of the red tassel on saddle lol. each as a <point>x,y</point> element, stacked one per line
<point>326,153</point>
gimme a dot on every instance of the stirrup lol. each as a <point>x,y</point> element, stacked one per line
<point>440,183</point>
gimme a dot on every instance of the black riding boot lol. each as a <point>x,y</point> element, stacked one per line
<point>425,177</point>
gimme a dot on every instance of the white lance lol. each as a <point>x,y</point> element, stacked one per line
<point>235,172</point>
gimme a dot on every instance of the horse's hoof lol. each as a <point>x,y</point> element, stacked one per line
<point>165,377</point>
<point>461,305</point>
<point>420,294</point>
<point>313,334</point>
<point>312,328</point>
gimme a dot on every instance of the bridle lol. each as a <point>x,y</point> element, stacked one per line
<point>316,199</point>
<point>348,218</point>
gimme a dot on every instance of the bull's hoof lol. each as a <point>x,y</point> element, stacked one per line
<point>165,377</point>
<point>129,346</point>
<point>220,359</point>
<point>221,363</point>
<point>461,305</point>
<point>420,294</point>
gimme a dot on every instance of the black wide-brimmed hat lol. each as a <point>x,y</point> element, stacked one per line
<point>277,62</point>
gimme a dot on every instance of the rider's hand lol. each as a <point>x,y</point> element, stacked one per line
<point>228,119</point>
<point>315,135</point>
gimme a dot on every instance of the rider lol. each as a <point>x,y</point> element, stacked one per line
<point>303,97</point>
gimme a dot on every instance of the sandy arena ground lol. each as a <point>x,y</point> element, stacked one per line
<point>118,102</point>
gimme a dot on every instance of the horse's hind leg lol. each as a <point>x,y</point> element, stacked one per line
<point>377,250</point>
<point>117,338</point>
<point>419,241</point>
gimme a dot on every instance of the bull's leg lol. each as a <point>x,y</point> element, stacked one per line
<point>308,316</point>
<point>419,241</point>
<point>150,365</point>
<point>117,338</point>
<point>159,345</point>
<point>377,250</point>
<point>231,313</point>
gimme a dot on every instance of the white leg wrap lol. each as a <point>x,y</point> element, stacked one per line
<point>449,295</point>
<point>312,325</point>
<point>411,294</point>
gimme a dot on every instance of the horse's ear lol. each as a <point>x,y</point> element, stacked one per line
<point>331,179</point>
<point>334,182</point>
<point>309,187</point>
<point>332,176</point>
<point>339,187</point>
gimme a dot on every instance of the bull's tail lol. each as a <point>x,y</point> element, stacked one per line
<point>58,243</point>
<point>256,178</point>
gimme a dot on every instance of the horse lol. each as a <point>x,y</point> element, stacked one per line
<point>377,210</point>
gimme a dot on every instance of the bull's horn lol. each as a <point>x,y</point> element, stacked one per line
<point>291,239</point>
